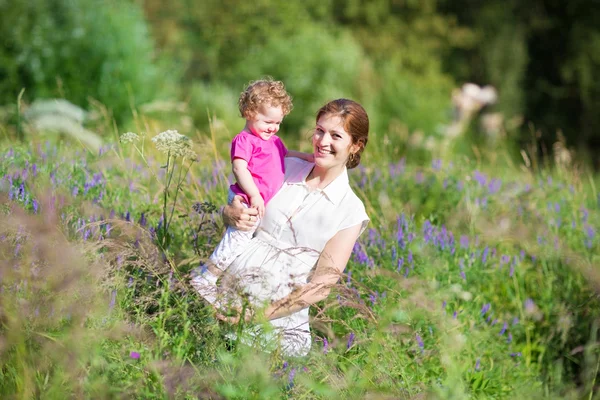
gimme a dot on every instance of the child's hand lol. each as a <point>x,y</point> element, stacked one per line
<point>259,203</point>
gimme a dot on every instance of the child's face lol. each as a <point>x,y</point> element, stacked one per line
<point>265,122</point>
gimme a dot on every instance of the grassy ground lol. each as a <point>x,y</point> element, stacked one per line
<point>472,281</point>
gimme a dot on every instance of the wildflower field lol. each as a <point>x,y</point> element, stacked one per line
<point>475,279</point>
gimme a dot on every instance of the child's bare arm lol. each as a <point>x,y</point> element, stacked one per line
<point>244,179</point>
<point>298,154</point>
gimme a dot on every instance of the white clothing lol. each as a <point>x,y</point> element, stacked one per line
<point>231,245</point>
<point>298,223</point>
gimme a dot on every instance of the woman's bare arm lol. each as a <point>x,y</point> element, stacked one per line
<point>330,266</point>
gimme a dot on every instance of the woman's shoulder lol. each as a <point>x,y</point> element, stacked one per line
<point>353,203</point>
<point>352,211</point>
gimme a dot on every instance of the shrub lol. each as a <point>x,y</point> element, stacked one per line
<point>77,50</point>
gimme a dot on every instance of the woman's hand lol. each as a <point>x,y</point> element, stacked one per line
<point>236,317</point>
<point>238,216</point>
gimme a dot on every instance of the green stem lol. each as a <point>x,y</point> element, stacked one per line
<point>141,153</point>
<point>177,189</point>
<point>166,191</point>
<point>20,134</point>
<point>594,380</point>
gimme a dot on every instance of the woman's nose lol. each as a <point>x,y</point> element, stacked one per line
<point>324,139</point>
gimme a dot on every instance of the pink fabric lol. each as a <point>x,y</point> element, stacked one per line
<point>265,162</point>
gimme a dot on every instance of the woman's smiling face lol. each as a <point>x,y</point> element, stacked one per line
<point>332,144</point>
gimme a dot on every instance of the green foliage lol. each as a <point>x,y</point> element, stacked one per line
<point>78,50</point>
<point>387,57</point>
<point>315,66</point>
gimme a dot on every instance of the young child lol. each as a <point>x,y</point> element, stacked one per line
<point>257,159</point>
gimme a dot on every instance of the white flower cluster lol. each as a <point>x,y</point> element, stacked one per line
<point>129,137</point>
<point>173,143</point>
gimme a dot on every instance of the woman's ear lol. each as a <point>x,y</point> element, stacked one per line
<point>354,148</point>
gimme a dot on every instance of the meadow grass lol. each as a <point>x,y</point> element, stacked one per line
<point>471,281</point>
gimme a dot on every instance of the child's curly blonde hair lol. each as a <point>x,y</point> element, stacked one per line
<point>264,92</point>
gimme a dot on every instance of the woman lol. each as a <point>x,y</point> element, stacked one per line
<point>310,226</point>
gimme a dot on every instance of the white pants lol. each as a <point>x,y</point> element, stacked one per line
<point>231,245</point>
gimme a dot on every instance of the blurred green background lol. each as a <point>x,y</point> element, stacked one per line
<point>400,58</point>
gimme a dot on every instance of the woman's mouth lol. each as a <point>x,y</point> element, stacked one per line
<point>324,151</point>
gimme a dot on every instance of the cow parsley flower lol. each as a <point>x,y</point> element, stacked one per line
<point>175,144</point>
<point>129,137</point>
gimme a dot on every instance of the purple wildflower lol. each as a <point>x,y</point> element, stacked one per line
<point>509,338</point>
<point>486,307</point>
<point>420,342</point>
<point>373,299</point>
<point>504,327</point>
<point>477,364</point>
<point>484,255</point>
<point>479,177</point>
<point>135,355</point>
<point>419,177</point>
<point>113,299</point>
<point>529,305</point>
<point>400,264</point>
<point>143,220</point>
<point>350,340</point>
<point>585,213</point>
<point>494,186</point>
<point>325,346</point>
